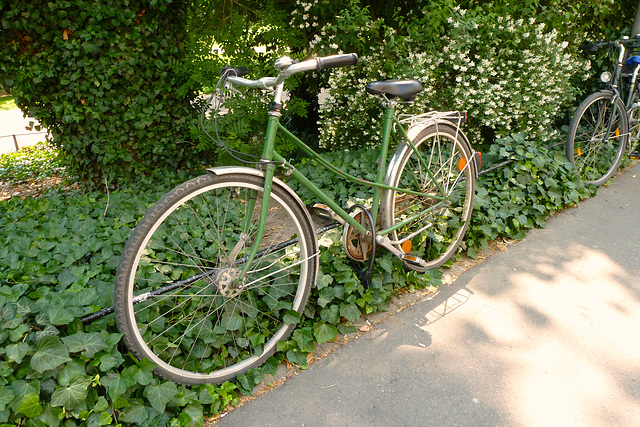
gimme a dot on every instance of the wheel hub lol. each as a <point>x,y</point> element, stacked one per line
<point>226,281</point>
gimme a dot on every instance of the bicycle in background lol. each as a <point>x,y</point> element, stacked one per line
<point>607,121</point>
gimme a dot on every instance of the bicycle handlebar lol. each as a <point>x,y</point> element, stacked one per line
<point>317,64</point>
<point>593,47</point>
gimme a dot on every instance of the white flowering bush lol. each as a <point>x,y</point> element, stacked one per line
<point>511,76</point>
<point>331,26</point>
<point>351,118</point>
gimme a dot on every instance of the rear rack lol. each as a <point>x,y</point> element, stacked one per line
<point>456,117</point>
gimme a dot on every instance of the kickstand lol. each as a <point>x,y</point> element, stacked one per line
<point>365,275</point>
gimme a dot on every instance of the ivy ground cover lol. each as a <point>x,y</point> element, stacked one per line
<point>58,259</point>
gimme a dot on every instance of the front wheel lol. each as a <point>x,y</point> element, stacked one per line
<point>185,297</point>
<point>430,226</point>
<point>597,136</point>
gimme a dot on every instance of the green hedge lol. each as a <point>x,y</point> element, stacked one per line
<point>107,78</point>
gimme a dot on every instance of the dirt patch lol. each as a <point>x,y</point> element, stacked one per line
<point>32,188</point>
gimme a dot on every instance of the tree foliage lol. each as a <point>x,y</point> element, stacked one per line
<point>115,81</point>
<point>108,79</point>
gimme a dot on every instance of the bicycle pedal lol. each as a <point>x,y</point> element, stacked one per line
<point>635,155</point>
<point>414,260</point>
<point>324,211</point>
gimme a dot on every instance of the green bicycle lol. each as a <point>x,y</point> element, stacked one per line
<point>219,270</point>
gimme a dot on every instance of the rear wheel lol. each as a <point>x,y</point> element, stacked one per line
<point>431,226</point>
<point>597,137</point>
<point>181,299</point>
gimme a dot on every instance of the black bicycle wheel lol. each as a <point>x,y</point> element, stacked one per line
<point>634,129</point>
<point>597,136</point>
<point>180,297</point>
<point>432,226</point>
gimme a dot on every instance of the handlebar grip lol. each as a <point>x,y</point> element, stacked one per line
<point>335,61</point>
<point>593,47</point>
<point>631,41</point>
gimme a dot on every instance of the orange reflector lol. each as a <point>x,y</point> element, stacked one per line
<point>462,163</point>
<point>618,132</point>
<point>579,151</point>
<point>406,246</point>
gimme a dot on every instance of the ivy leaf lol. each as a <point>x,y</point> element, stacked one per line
<point>330,314</point>
<point>325,296</point>
<point>111,339</point>
<point>115,384</point>
<point>161,394</point>
<point>324,332</point>
<point>50,353</point>
<point>101,405</point>
<point>135,413</point>
<point>6,396</point>
<point>387,264</point>
<point>51,416</point>
<point>324,280</point>
<point>195,412</point>
<point>345,329</point>
<point>87,343</point>
<point>30,405</point>
<point>71,371</point>
<point>16,352</point>
<point>21,388</point>
<point>304,338</point>
<point>72,396</point>
<point>66,278</point>
<point>350,312</point>
<point>109,361</point>
<point>105,419</point>
<point>291,317</point>
<point>296,356</point>
<point>60,315</point>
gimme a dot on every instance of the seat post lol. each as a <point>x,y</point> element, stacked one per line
<point>389,114</point>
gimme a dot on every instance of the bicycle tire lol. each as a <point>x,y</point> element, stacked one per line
<point>202,328</point>
<point>634,129</point>
<point>447,153</point>
<point>595,155</point>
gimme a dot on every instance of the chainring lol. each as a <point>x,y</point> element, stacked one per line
<point>357,246</point>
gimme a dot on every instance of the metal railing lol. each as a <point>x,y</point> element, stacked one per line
<point>16,135</point>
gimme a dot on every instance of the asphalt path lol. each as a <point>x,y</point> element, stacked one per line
<point>545,333</point>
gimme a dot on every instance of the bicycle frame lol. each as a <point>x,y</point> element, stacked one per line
<point>392,129</point>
